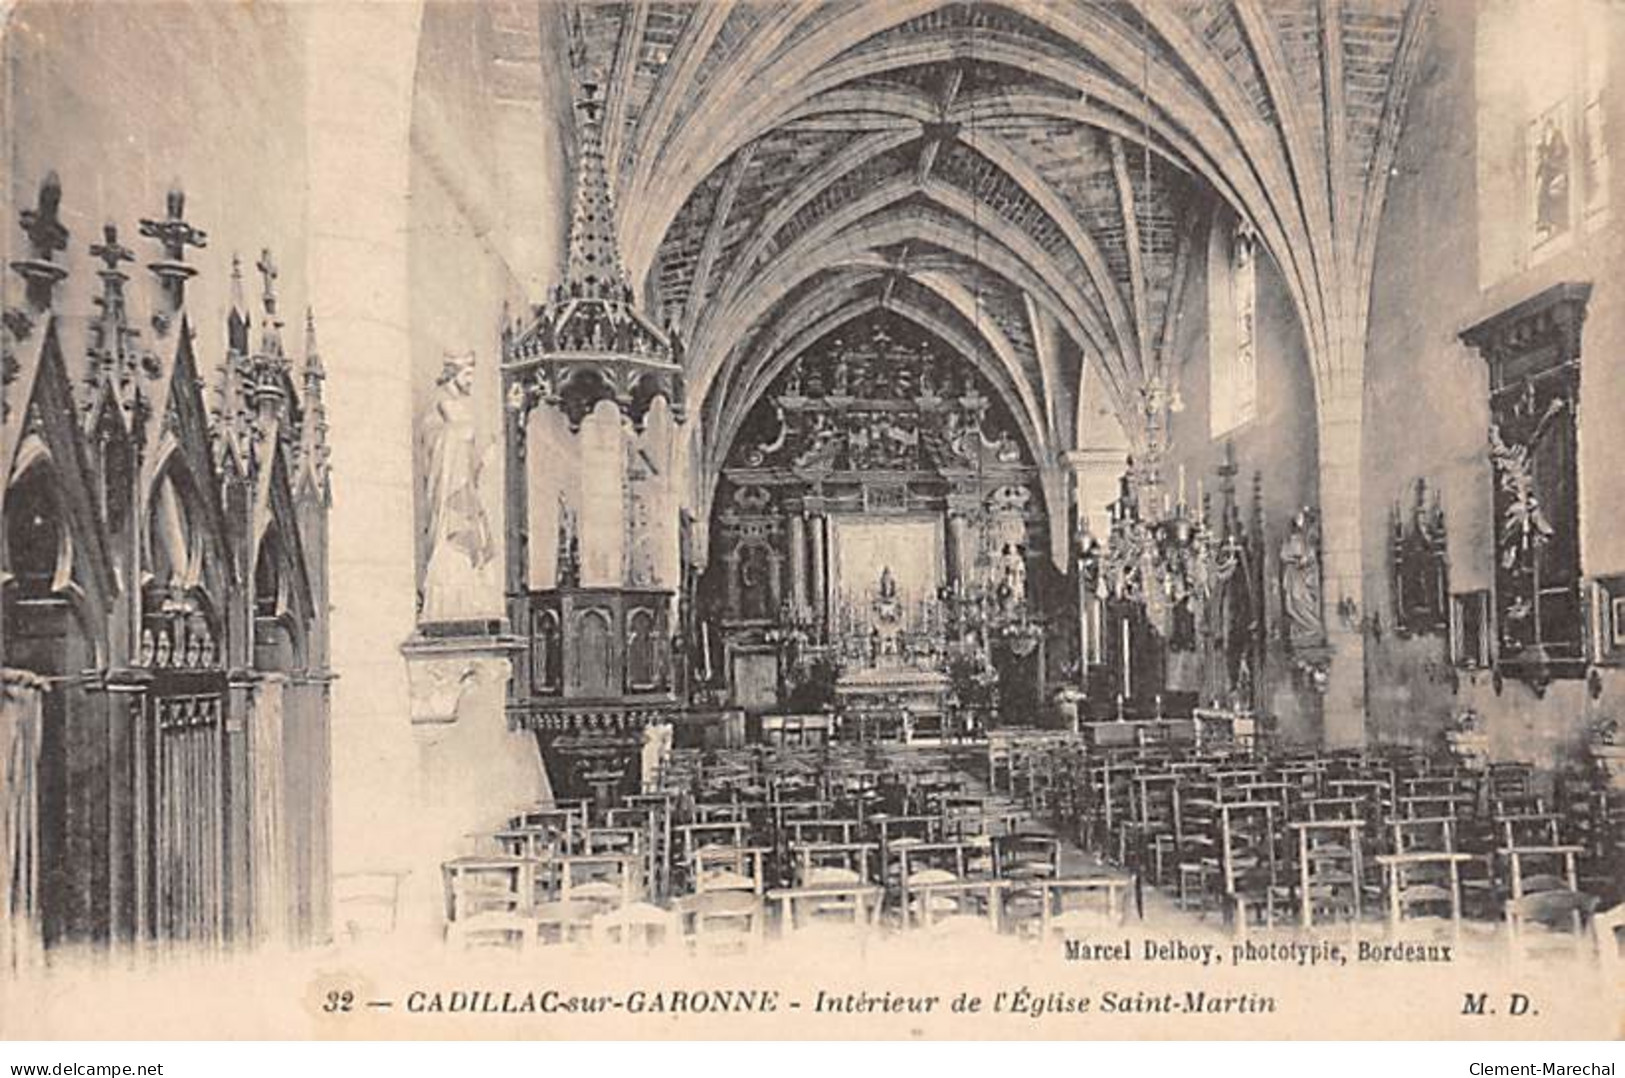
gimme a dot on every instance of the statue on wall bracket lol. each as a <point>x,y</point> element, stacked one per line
<point>1301,599</point>
<point>460,575</point>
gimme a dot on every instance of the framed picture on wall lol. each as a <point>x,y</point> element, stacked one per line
<point>1470,629</point>
<point>1608,620</point>
<point>1549,157</point>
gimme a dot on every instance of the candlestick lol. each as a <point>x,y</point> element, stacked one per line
<point>1181,486</point>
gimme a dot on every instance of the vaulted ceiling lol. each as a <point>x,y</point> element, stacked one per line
<point>1026,180</point>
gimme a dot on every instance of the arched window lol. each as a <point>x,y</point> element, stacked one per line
<point>1232,334</point>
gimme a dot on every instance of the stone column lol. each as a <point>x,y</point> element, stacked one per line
<point>820,569</point>
<point>730,562</point>
<point>775,582</point>
<point>1342,580</point>
<point>1095,473</point>
<point>958,545</point>
<point>359,104</point>
<point>963,505</point>
<point>797,542</point>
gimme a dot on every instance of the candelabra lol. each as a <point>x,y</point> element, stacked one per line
<point>1160,553</point>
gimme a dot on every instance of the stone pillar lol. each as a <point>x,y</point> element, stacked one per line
<point>797,542</point>
<point>730,562</point>
<point>359,112</point>
<point>1342,578</point>
<point>958,547</point>
<point>820,568</point>
<point>963,506</point>
<point>775,581</point>
<point>1095,473</point>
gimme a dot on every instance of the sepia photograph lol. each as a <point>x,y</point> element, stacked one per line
<point>812,519</point>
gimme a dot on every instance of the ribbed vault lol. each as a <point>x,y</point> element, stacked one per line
<point>1029,177</point>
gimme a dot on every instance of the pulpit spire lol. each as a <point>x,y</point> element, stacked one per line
<point>595,258</point>
<point>590,342</point>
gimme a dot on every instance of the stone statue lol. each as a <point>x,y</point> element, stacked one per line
<point>888,583</point>
<point>1015,577</point>
<point>1300,581</point>
<point>568,570</point>
<point>458,578</point>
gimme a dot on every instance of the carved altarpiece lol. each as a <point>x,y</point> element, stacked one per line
<point>878,421</point>
<point>1533,352</point>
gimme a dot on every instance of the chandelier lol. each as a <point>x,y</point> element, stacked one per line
<point>1161,552</point>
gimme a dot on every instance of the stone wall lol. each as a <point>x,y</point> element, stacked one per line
<point>1426,402</point>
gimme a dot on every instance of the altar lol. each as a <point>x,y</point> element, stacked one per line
<point>897,704</point>
<point>873,529</point>
<point>891,685</point>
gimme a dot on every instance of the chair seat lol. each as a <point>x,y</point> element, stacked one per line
<point>1424,892</point>
<point>726,880</point>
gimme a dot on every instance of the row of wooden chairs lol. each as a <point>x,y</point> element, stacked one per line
<point>1330,838</point>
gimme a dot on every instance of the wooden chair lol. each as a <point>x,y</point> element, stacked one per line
<point>825,831</point>
<point>1198,865</point>
<point>948,859</point>
<point>1107,808</point>
<point>564,922</point>
<point>646,820</point>
<point>1155,825</point>
<point>1077,905</point>
<point>627,841</point>
<point>367,903</point>
<point>854,857</point>
<point>639,926</point>
<point>1551,924</point>
<point>1534,869</point>
<point>928,901</point>
<point>692,837</point>
<point>1610,929</point>
<point>491,930</point>
<point>607,880</point>
<point>728,868</point>
<point>1026,857</point>
<point>784,812</point>
<point>548,827</point>
<point>475,885</point>
<point>851,906</point>
<point>722,922</point>
<point>1000,759</point>
<point>1249,861</point>
<point>893,830</point>
<point>1424,885</point>
<point>1422,834</point>
<point>717,812</point>
<point>1331,869</point>
<point>661,807</point>
<point>536,841</point>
